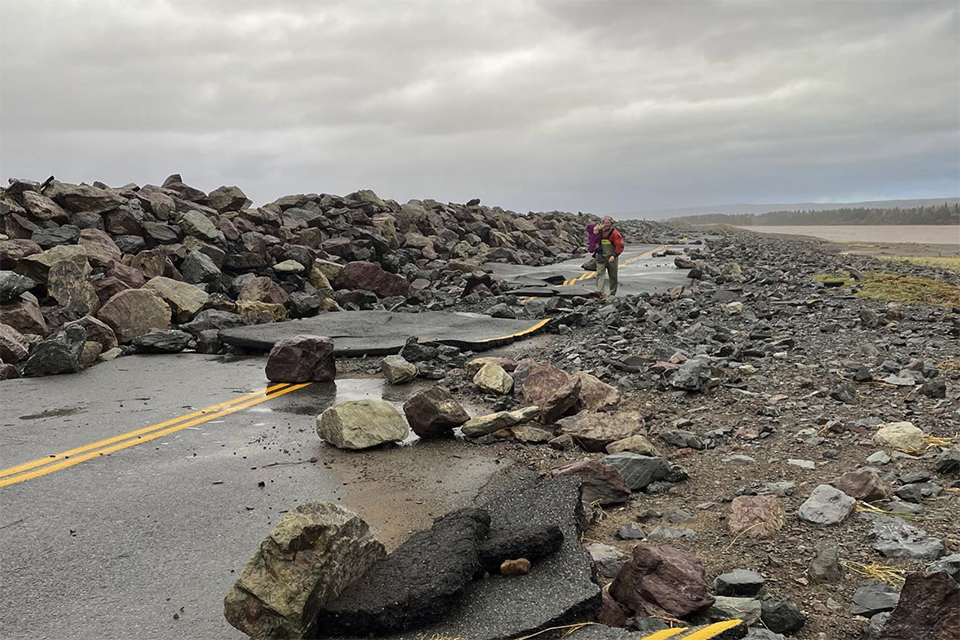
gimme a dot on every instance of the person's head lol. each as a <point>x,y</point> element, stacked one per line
<point>607,222</point>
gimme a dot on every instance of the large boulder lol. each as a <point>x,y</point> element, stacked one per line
<point>82,197</point>
<point>185,299</point>
<point>14,347</point>
<point>602,484</point>
<point>97,331</point>
<point>434,413</point>
<point>369,276</point>
<point>662,580</point>
<point>227,199</point>
<point>551,389</point>
<point>254,312</point>
<point>483,425</point>
<point>198,267</point>
<point>37,266</point>
<point>361,424</point>
<point>100,247</point>
<point>69,284</point>
<point>59,355</point>
<point>635,444</point>
<point>194,223</point>
<point>863,484</point>
<point>414,585</point>
<point>134,312</point>
<point>929,608</point>
<point>310,557</point>
<point>302,359</point>
<point>756,516</point>
<point>263,289</point>
<point>596,394</point>
<point>12,285</point>
<point>163,341</point>
<point>24,315</point>
<point>594,431</point>
<point>894,538</point>
<point>41,207</point>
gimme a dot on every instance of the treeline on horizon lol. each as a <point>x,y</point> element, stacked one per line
<point>937,214</point>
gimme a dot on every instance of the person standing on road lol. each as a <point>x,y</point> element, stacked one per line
<point>608,258</point>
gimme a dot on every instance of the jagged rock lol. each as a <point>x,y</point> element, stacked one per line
<point>691,376</point>
<point>209,319</point>
<point>730,608</point>
<point>662,579</point>
<point>397,370</point>
<point>894,538</point>
<point>596,394</point>
<point>530,542</point>
<point>82,197</point>
<point>551,389</point>
<point>361,424</point>
<point>756,516</point>
<point>929,607</point>
<point>531,434</point>
<point>682,438</point>
<point>198,267</point>
<point>69,285</point>
<point>24,315</point>
<point>59,355</point>
<point>8,372</point>
<point>262,289</point>
<point>637,471</point>
<point>53,237</point>
<point>163,341</point>
<point>863,484</point>
<point>227,199</point>
<point>483,425</point>
<point>414,585</point>
<point>493,379</point>
<point>738,583</point>
<point>434,413</point>
<point>12,285</point>
<point>634,444</point>
<point>101,250</point>
<point>594,431</point>
<point>781,616</point>
<point>873,597</point>
<point>253,312</point>
<point>194,223</point>
<point>948,461</point>
<point>134,312</point>
<point>826,506</point>
<point>826,566</point>
<point>948,564</point>
<point>903,436</point>
<point>37,266</point>
<point>602,484</point>
<point>310,557</point>
<point>302,359</point>
<point>97,331</point>
<point>89,354</point>
<point>608,560</point>
<point>42,207</point>
<point>369,276</point>
<point>14,347</point>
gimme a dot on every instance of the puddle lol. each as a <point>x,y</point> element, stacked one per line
<point>53,413</point>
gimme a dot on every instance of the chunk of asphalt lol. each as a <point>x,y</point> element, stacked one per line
<point>530,542</point>
<point>559,588</point>
<point>413,585</point>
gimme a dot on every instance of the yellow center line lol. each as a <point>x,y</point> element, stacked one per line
<point>131,434</point>
<point>713,630</point>
<point>148,437</point>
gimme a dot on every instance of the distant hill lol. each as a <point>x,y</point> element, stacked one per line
<point>928,215</point>
<point>756,209</point>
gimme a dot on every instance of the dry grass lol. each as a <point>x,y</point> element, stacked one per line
<point>877,571</point>
<point>949,263</point>
<point>890,287</point>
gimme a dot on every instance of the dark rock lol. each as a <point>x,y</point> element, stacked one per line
<point>130,244</point>
<point>662,579</point>
<point>872,597</point>
<point>59,355</point>
<point>602,484</point>
<point>637,471</point>
<point>48,238</point>
<point>14,347</point>
<point>369,276</point>
<point>929,608</point>
<point>24,315</point>
<point>934,389</point>
<point>894,538</point>
<point>738,583</point>
<point>691,376</point>
<point>97,331</point>
<point>197,267</point>
<point>163,341</point>
<point>212,319</point>
<point>825,566</point>
<point>863,484</point>
<point>530,542</point>
<point>781,616</point>
<point>13,284</point>
<point>302,359</point>
<point>949,564</point>
<point>630,531</point>
<point>434,413</point>
<point>846,394</point>
<point>682,438</point>
<point>948,461</point>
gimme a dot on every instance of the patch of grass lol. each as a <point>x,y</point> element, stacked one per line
<point>889,287</point>
<point>950,263</point>
<point>839,279</point>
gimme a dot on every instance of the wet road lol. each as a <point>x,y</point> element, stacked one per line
<point>145,541</point>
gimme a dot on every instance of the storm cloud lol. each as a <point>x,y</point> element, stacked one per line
<point>594,106</point>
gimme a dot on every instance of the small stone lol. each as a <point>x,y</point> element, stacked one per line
<point>803,464</point>
<point>756,516</point>
<point>517,567</point>
<point>608,559</point>
<point>826,506</point>
<point>878,457</point>
<point>729,608</point>
<point>739,583</point>
<point>397,370</point>
<point>492,378</point>
<point>630,531</point>
<point>872,597</point>
<point>826,566</point>
<point>781,616</point>
<point>903,436</point>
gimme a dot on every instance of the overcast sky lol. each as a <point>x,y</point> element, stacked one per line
<point>595,106</point>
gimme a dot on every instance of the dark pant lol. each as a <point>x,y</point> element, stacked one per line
<point>607,270</point>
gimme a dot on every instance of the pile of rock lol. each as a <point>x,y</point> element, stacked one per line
<point>133,260</point>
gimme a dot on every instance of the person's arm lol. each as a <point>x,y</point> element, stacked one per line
<point>617,242</point>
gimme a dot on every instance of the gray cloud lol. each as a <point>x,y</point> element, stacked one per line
<point>596,106</point>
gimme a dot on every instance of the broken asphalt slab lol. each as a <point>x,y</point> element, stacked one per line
<point>558,589</point>
<point>356,333</point>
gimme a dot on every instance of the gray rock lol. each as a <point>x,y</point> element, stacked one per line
<point>661,532</point>
<point>194,223</point>
<point>894,538</point>
<point>397,370</point>
<point>825,566</point>
<point>877,622</point>
<point>361,424</point>
<point>198,267</point>
<point>163,341</point>
<point>502,311</point>
<point>214,319</point>
<point>763,634</point>
<point>630,531</point>
<point>682,438</point>
<point>878,457</point>
<point>13,284</point>
<point>781,616</point>
<point>739,582</point>
<point>949,565</point>
<point>728,608</point>
<point>691,376</point>
<point>59,355</point>
<point>872,597</point>
<point>48,238</point>
<point>608,559</point>
<point>948,461</point>
<point>826,506</point>
<point>637,471</point>
<point>310,557</point>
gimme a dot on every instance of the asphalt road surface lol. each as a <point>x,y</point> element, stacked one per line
<point>145,540</point>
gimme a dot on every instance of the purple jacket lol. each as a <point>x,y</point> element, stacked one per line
<point>593,237</point>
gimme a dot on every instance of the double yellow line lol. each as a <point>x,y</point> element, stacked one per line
<point>56,462</point>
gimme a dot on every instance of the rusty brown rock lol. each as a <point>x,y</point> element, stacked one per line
<point>756,516</point>
<point>929,608</point>
<point>302,359</point>
<point>263,289</point>
<point>863,484</point>
<point>24,315</point>
<point>596,394</point>
<point>551,389</point>
<point>14,346</point>
<point>134,312</point>
<point>370,276</point>
<point>601,483</point>
<point>434,413</point>
<point>102,251</point>
<point>662,579</point>
<point>97,331</point>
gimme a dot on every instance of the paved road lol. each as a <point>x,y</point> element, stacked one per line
<point>114,546</point>
<point>640,272</point>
